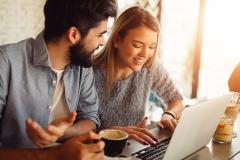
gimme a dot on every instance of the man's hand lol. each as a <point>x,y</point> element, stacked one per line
<point>139,133</point>
<point>75,149</point>
<point>167,121</point>
<point>45,136</point>
<point>72,149</point>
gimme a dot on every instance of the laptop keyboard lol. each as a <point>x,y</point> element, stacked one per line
<point>153,152</point>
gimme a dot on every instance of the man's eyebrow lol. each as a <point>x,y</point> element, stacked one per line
<point>104,32</point>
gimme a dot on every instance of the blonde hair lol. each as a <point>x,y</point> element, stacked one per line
<point>131,18</point>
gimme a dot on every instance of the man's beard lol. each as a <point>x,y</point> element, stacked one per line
<point>80,56</point>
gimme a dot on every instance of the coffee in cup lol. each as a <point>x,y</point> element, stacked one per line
<point>115,140</point>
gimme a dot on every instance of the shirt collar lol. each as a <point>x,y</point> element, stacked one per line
<point>40,54</point>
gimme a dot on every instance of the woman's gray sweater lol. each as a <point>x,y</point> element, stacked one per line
<point>127,101</point>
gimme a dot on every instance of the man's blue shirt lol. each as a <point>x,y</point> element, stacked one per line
<point>27,87</point>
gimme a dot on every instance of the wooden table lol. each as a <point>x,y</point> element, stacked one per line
<point>236,157</point>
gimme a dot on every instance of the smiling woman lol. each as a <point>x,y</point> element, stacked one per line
<point>134,50</point>
<point>126,33</point>
<point>127,69</point>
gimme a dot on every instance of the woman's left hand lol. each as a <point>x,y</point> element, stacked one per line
<point>167,121</point>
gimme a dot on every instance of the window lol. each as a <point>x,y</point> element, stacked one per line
<point>221,49</point>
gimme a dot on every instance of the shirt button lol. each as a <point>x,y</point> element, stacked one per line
<point>54,82</point>
<point>49,107</point>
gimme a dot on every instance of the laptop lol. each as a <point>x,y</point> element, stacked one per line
<point>194,131</point>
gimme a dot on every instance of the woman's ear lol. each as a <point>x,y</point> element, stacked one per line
<point>73,35</point>
<point>117,41</point>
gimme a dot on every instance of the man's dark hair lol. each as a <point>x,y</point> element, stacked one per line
<point>60,15</point>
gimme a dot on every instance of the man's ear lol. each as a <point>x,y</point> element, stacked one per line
<point>73,35</point>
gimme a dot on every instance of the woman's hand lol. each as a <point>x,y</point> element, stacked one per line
<point>168,121</point>
<point>139,133</point>
<point>171,115</point>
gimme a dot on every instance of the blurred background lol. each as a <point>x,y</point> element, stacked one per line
<point>199,39</point>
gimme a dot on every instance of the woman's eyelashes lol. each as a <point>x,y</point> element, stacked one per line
<point>137,45</point>
<point>152,48</point>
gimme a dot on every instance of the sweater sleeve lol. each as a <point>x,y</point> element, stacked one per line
<point>163,86</point>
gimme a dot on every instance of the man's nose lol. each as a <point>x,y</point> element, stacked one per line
<point>102,41</point>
